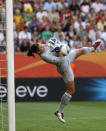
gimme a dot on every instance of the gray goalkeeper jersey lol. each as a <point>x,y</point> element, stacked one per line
<point>62,63</point>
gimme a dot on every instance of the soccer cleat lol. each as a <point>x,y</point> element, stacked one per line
<point>97,43</point>
<point>60,116</point>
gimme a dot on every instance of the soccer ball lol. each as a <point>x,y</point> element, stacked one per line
<point>64,49</point>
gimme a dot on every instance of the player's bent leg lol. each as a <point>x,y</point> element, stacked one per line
<point>86,50</point>
<point>78,52</point>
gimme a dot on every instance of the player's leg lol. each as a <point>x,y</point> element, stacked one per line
<point>78,52</point>
<point>84,50</point>
<point>70,90</point>
<point>68,78</point>
<point>69,81</point>
<point>66,97</point>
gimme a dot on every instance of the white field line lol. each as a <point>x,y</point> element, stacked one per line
<point>83,118</point>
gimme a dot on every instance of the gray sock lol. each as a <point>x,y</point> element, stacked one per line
<point>88,49</point>
<point>64,101</point>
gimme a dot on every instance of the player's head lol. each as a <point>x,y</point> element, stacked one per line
<point>35,48</point>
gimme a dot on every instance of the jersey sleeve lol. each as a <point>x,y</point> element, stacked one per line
<point>50,58</point>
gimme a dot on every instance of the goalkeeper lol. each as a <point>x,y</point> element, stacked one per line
<point>63,67</point>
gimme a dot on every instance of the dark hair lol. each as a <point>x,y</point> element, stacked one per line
<point>33,49</point>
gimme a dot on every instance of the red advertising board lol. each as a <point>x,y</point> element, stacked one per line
<point>91,65</point>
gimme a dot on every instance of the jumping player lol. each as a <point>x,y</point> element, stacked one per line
<point>63,67</point>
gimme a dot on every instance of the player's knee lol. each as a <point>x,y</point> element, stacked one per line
<point>70,88</point>
<point>71,91</point>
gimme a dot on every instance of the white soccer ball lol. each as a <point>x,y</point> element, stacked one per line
<point>64,49</point>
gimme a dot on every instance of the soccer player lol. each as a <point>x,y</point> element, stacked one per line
<point>63,67</point>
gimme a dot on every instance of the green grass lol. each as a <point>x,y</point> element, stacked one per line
<point>79,116</point>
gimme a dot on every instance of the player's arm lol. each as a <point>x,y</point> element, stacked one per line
<point>52,59</point>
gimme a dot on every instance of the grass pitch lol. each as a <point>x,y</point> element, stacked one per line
<point>79,116</point>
